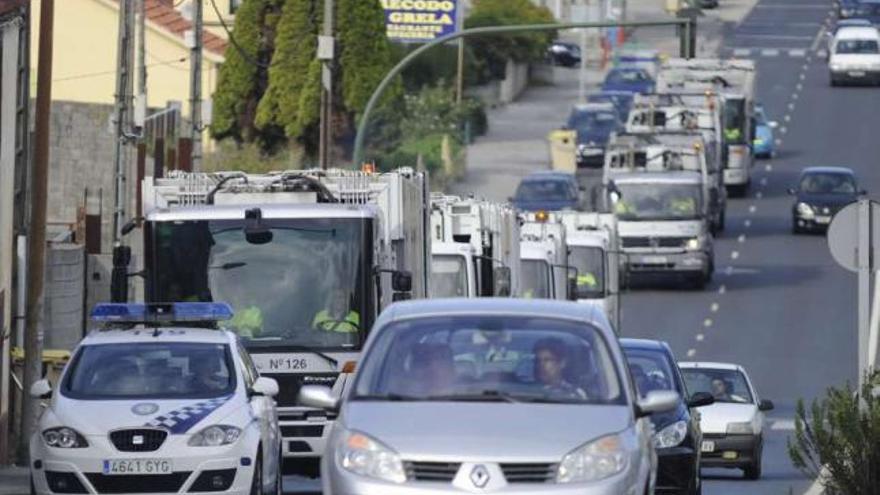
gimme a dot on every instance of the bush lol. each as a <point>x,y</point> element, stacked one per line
<point>840,440</point>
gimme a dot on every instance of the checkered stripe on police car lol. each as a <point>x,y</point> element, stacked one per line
<point>181,420</point>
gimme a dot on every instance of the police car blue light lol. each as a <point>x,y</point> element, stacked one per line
<point>151,313</point>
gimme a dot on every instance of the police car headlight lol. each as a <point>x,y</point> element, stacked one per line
<point>594,461</point>
<point>671,436</point>
<point>805,210</point>
<point>366,456</point>
<point>64,438</point>
<point>215,436</point>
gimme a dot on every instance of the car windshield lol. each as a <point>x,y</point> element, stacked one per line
<point>545,190</point>
<point>585,120</point>
<point>725,385</point>
<point>821,183</point>
<point>448,276</point>
<point>626,76</point>
<point>150,371</point>
<point>868,10</point>
<point>659,201</point>
<point>651,370</point>
<point>590,264</point>
<point>491,358</point>
<point>535,279</point>
<point>306,286</point>
<point>848,47</point>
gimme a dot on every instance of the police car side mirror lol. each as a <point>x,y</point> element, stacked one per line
<point>41,389</point>
<point>265,387</point>
<point>317,396</point>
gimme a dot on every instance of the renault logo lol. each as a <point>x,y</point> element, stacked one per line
<point>480,476</point>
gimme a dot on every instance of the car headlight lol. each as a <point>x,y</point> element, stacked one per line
<point>366,456</point>
<point>740,428</point>
<point>64,438</point>
<point>594,461</point>
<point>805,210</point>
<point>694,243</point>
<point>671,435</point>
<point>837,67</point>
<point>215,436</point>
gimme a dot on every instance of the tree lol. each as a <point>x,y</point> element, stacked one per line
<point>840,441</point>
<point>243,76</point>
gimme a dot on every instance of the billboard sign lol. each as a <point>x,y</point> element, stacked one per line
<point>420,21</point>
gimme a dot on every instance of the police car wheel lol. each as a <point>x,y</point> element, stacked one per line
<point>279,475</point>
<point>257,483</point>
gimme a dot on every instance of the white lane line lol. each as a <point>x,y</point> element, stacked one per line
<point>707,322</point>
<point>799,53</point>
<point>700,337</point>
<point>753,208</point>
<point>787,118</point>
<point>795,96</point>
<point>783,130</point>
<point>769,166</point>
<point>803,76</point>
<point>759,195</point>
<point>722,289</point>
<point>791,106</point>
<point>728,271</point>
<point>747,223</point>
<point>734,255</point>
<point>778,142</point>
<point>769,52</point>
<point>792,37</point>
<point>782,425</point>
<point>714,307</point>
<point>691,352</point>
<point>741,239</point>
<point>822,53</point>
<point>742,52</point>
<point>763,181</point>
<point>799,86</point>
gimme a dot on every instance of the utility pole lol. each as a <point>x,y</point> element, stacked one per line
<point>195,84</point>
<point>123,115</point>
<point>37,242</point>
<point>142,53</point>
<point>326,47</point>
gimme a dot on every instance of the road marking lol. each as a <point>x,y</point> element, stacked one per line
<point>799,86</point>
<point>763,181</point>
<point>722,289</point>
<point>803,76</point>
<point>753,208</point>
<point>700,337</point>
<point>691,352</point>
<point>728,271</point>
<point>707,322</point>
<point>822,53</point>
<point>787,118</point>
<point>795,96</point>
<point>747,223</point>
<point>783,130</point>
<point>759,195</point>
<point>741,239</point>
<point>819,37</point>
<point>778,143</point>
<point>791,106</point>
<point>769,52</point>
<point>734,255</point>
<point>769,166</point>
<point>782,425</point>
<point>714,307</point>
<point>742,52</point>
<point>799,53</point>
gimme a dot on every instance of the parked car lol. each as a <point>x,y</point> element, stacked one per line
<point>547,191</point>
<point>564,53</point>
<point>490,395</point>
<point>820,193</point>
<point>594,123</point>
<point>622,101</point>
<point>764,145</point>
<point>678,436</point>
<point>733,427</point>
<point>632,79</point>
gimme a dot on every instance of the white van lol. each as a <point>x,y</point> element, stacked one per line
<point>855,56</point>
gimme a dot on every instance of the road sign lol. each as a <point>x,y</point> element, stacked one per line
<point>843,236</point>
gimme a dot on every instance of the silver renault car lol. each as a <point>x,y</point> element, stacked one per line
<point>490,395</point>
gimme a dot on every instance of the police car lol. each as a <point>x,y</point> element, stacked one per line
<point>158,401</point>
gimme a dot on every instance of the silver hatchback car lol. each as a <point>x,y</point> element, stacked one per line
<point>490,395</point>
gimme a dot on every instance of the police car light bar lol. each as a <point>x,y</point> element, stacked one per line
<point>153,313</point>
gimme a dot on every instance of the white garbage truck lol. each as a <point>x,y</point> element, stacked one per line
<point>545,271</point>
<point>307,260</point>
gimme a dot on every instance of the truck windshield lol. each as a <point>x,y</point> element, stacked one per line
<point>661,201</point>
<point>590,264</point>
<point>307,286</point>
<point>448,276</point>
<point>535,279</point>
<point>735,121</point>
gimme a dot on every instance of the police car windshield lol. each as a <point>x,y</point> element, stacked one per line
<point>490,358</point>
<point>306,287</point>
<point>659,201</point>
<point>158,370</point>
<point>448,276</point>
<point>535,279</point>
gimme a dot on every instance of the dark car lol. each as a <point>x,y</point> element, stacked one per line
<point>678,436</point>
<point>846,8</point>
<point>622,101</point>
<point>707,4</point>
<point>593,123</point>
<point>632,79</point>
<point>564,54</point>
<point>820,193</point>
<point>547,191</point>
<point>867,9</point>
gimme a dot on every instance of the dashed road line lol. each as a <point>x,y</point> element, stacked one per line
<point>753,208</point>
<point>782,425</point>
<point>741,239</point>
<point>707,322</point>
<point>769,52</point>
<point>763,181</point>
<point>722,289</point>
<point>700,337</point>
<point>714,307</point>
<point>747,223</point>
<point>734,255</point>
<point>691,352</point>
<point>759,195</point>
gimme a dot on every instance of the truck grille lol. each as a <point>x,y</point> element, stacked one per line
<point>138,440</point>
<point>529,473</point>
<point>431,471</point>
<point>290,383</point>
<point>649,242</point>
<point>137,483</point>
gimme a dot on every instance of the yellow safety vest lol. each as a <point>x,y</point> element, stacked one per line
<point>587,279</point>
<point>324,322</point>
<point>248,322</point>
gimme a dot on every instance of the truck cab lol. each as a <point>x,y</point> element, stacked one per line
<point>546,272</point>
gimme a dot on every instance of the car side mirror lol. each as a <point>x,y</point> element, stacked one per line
<point>701,399</point>
<point>317,396</point>
<point>572,289</point>
<point>657,401</point>
<point>265,387</point>
<point>792,191</point>
<point>766,405</point>
<point>773,124</point>
<point>41,389</point>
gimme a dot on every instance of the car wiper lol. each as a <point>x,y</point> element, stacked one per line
<point>484,396</point>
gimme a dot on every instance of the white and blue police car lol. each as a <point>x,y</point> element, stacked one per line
<point>158,400</point>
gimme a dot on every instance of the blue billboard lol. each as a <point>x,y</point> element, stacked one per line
<point>420,21</point>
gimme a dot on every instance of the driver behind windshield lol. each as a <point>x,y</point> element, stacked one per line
<point>337,317</point>
<point>721,392</point>
<point>550,364</point>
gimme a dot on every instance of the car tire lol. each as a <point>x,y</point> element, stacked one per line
<point>753,471</point>
<point>257,480</point>
<point>279,477</point>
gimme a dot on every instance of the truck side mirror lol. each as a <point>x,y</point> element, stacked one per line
<point>502,281</point>
<point>401,281</point>
<point>119,275</point>
<point>572,289</point>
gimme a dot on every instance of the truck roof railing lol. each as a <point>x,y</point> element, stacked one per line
<point>160,313</point>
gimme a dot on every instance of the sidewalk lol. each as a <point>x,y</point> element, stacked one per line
<point>14,481</point>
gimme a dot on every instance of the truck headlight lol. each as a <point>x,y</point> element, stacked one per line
<point>805,211</point>
<point>594,461</point>
<point>694,244</point>
<point>740,428</point>
<point>366,456</point>
<point>836,67</point>
<point>671,435</point>
<point>215,436</point>
<point>64,438</point>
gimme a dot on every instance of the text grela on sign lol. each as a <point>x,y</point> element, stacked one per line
<point>432,5</point>
<point>419,18</point>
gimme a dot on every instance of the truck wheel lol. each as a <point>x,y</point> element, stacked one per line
<point>753,472</point>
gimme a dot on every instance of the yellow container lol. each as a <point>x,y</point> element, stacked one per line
<point>563,150</point>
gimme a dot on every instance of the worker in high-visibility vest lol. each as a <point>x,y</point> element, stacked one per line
<point>337,317</point>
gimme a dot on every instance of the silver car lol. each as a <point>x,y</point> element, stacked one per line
<point>490,395</point>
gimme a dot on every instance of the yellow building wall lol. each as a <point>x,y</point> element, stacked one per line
<point>212,21</point>
<point>84,56</point>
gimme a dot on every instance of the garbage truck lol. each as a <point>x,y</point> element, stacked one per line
<point>545,270</point>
